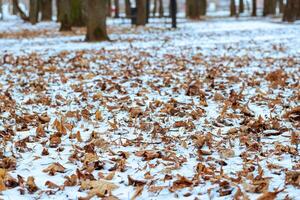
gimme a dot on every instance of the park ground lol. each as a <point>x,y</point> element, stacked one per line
<point>210,110</point>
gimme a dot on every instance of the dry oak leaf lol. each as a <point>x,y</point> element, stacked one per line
<point>30,185</point>
<point>138,192</point>
<point>54,168</point>
<point>60,126</point>
<point>293,114</point>
<point>99,188</point>
<point>71,180</point>
<point>148,154</point>
<point>269,195</point>
<point>257,186</point>
<point>2,175</point>
<point>51,185</point>
<point>135,182</point>
<point>181,182</point>
<point>292,178</point>
<point>226,153</point>
<point>98,115</point>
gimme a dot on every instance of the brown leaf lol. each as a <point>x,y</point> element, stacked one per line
<point>138,192</point>
<point>98,188</point>
<point>54,168</point>
<point>135,182</point>
<point>51,185</point>
<point>30,185</point>
<point>180,183</point>
<point>98,116</point>
<point>269,195</point>
<point>292,178</point>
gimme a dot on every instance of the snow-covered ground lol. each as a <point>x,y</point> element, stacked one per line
<point>208,111</point>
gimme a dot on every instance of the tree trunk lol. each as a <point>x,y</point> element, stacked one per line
<point>281,6</point>
<point>128,8</point>
<point>273,5</point>
<point>291,10</point>
<point>173,9</point>
<point>232,8</point>
<point>20,11</point>
<point>96,23</point>
<point>148,2</point>
<point>161,8</point>
<point>108,10</point>
<point>58,11</point>
<point>254,7</point>
<point>141,12</point>
<point>46,7</point>
<point>193,9</point>
<point>1,11</point>
<point>117,8</point>
<point>34,11</point>
<point>78,19</point>
<point>241,6</point>
<point>266,8</point>
<point>14,9</point>
<point>65,12</point>
<point>154,8</point>
<point>203,7</point>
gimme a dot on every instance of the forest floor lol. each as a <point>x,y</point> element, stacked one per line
<point>208,111</point>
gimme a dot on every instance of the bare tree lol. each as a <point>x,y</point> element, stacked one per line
<point>232,8</point>
<point>33,11</point>
<point>1,10</point>
<point>161,8</point>
<point>96,20</point>
<point>20,11</point>
<point>291,10</point>
<point>117,8</point>
<point>65,14</point>
<point>46,8</point>
<point>254,7</point>
<point>241,6</point>
<point>128,8</point>
<point>78,17</point>
<point>173,9</point>
<point>141,6</point>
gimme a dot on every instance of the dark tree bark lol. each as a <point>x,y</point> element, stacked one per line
<point>232,8</point>
<point>14,9</point>
<point>291,10</point>
<point>128,8</point>
<point>108,10</point>
<point>161,8</point>
<point>58,11</point>
<point>269,7</point>
<point>148,2</point>
<point>154,8</point>
<point>78,18</point>
<point>1,11</point>
<point>273,7</point>
<point>46,8</point>
<point>20,11</point>
<point>193,9</point>
<point>281,6</point>
<point>241,6</point>
<point>203,7</point>
<point>117,8</point>
<point>65,12</point>
<point>96,21</point>
<point>266,8</point>
<point>141,6</point>
<point>173,9</point>
<point>254,8</point>
<point>34,11</point>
